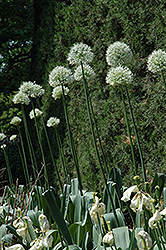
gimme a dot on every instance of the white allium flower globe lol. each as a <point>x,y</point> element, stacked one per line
<point>37,114</point>
<point>58,92</point>
<point>88,72</point>
<point>16,120</point>
<point>157,61</point>
<point>80,52</point>
<point>60,75</point>
<point>119,75</point>
<point>118,54</point>
<point>31,89</point>
<point>2,136</point>
<point>53,122</point>
<point>21,98</point>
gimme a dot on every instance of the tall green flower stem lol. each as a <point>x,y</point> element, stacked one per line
<point>61,155</point>
<point>24,163</point>
<point>96,149</point>
<point>30,146</point>
<point>8,167</point>
<point>163,77</point>
<point>96,128</point>
<point>128,130</point>
<point>136,134</point>
<point>31,152</point>
<point>50,149</point>
<point>41,148</point>
<point>74,155</point>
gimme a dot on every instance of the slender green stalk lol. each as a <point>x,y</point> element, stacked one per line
<point>137,138</point>
<point>100,228</point>
<point>30,146</point>
<point>128,130</point>
<point>50,149</point>
<point>8,167</point>
<point>96,149</point>
<point>32,154</point>
<point>40,144</point>
<point>97,131</point>
<point>72,143</point>
<point>24,164</point>
<point>163,77</point>
<point>61,154</point>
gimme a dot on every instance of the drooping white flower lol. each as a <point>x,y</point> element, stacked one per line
<point>128,192</point>
<point>53,122</point>
<point>157,61</point>
<point>119,75</point>
<point>2,136</point>
<point>154,219</point>
<point>21,226</point>
<point>47,241</point>
<point>139,200</point>
<point>15,247</point>
<point>80,52</point>
<point>118,54</point>
<point>37,114</point>
<point>97,208</point>
<point>88,72</point>
<point>58,92</point>
<point>109,238</point>
<point>37,244</point>
<point>21,98</point>
<point>145,241</point>
<point>13,137</point>
<point>31,89</point>
<point>16,120</point>
<point>60,75</point>
<point>44,223</point>
<point>163,212</point>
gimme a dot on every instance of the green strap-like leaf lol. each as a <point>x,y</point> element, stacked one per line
<point>57,215</point>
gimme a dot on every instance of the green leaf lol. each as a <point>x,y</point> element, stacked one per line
<point>158,180</point>
<point>65,200</point>
<point>121,237</point>
<point>57,215</point>
<point>72,247</point>
<point>110,217</point>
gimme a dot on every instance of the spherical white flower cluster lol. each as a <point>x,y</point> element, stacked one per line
<point>53,122</point>
<point>3,146</point>
<point>31,89</point>
<point>13,137</point>
<point>157,61</point>
<point>16,120</point>
<point>37,114</point>
<point>21,98</point>
<point>60,75</point>
<point>2,136</point>
<point>119,75</point>
<point>118,54</point>
<point>27,90</point>
<point>58,92</point>
<point>88,72</point>
<point>80,52</point>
